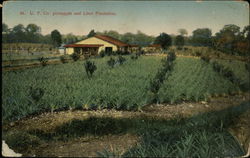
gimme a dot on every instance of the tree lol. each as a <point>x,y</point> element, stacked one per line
<point>112,33</point>
<point>18,33</point>
<point>246,32</point>
<point>33,33</point>
<point>226,40</point>
<point>183,32</point>
<point>164,40</point>
<point>5,31</point>
<point>179,41</point>
<point>91,33</point>
<point>202,37</point>
<point>5,28</point>
<point>56,38</point>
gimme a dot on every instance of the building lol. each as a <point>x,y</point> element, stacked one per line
<point>94,45</point>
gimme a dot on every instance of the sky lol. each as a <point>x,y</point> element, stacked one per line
<point>150,17</point>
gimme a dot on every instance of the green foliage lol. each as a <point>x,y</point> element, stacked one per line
<point>36,93</point>
<point>43,61</point>
<point>164,40</point>
<point>179,41</point>
<point>190,80</point>
<point>63,59</point>
<point>21,140</point>
<point>91,33</point>
<point>75,56</point>
<point>121,59</point>
<point>202,37</point>
<point>205,58</point>
<point>56,38</point>
<point>90,68</point>
<point>111,62</point>
<point>102,53</point>
<point>193,80</point>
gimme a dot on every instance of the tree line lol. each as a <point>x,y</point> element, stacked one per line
<point>229,39</point>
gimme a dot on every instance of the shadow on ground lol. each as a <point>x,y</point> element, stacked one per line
<point>203,135</point>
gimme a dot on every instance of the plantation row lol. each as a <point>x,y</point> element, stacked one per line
<point>125,86</point>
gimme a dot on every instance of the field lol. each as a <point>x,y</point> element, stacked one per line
<point>113,109</point>
<point>124,87</point>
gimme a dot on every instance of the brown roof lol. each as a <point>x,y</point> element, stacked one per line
<point>111,40</point>
<point>83,45</point>
<point>154,45</point>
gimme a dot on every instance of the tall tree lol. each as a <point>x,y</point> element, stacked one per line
<point>56,38</point>
<point>164,40</point>
<point>179,41</point>
<point>18,33</point>
<point>202,37</point>
<point>183,32</point>
<point>227,38</point>
<point>5,31</point>
<point>91,33</point>
<point>33,33</point>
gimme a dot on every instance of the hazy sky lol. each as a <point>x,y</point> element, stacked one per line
<point>151,17</point>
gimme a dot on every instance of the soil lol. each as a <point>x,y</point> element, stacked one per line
<point>88,145</point>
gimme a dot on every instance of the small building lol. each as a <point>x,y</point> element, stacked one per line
<point>61,49</point>
<point>94,45</point>
<point>153,48</point>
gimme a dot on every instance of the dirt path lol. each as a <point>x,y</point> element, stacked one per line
<point>88,145</point>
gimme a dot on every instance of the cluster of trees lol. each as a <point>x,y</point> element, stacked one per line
<point>138,38</point>
<point>229,39</point>
<point>32,34</point>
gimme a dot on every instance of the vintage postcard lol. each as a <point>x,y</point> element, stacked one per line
<point>125,78</point>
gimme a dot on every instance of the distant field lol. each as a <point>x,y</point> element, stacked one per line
<point>123,87</point>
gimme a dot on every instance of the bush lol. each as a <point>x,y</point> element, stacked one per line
<point>21,140</point>
<point>197,53</point>
<point>247,66</point>
<point>134,57</point>
<point>75,56</point>
<point>111,62</point>
<point>102,53</point>
<point>121,59</point>
<point>36,93</point>
<point>205,58</point>
<point>90,68</point>
<point>171,56</point>
<point>63,59</point>
<point>43,61</point>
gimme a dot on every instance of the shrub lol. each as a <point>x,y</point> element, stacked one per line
<point>111,62</point>
<point>134,57</point>
<point>75,56</point>
<point>21,140</point>
<point>171,56</point>
<point>121,59</point>
<point>43,61</point>
<point>205,58</point>
<point>102,53</point>
<point>247,66</point>
<point>36,93</point>
<point>63,59</point>
<point>197,53</point>
<point>90,68</point>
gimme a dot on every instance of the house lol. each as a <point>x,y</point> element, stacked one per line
<point>94,45</point>
<point>61,49</point>
<point>153,48</point>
